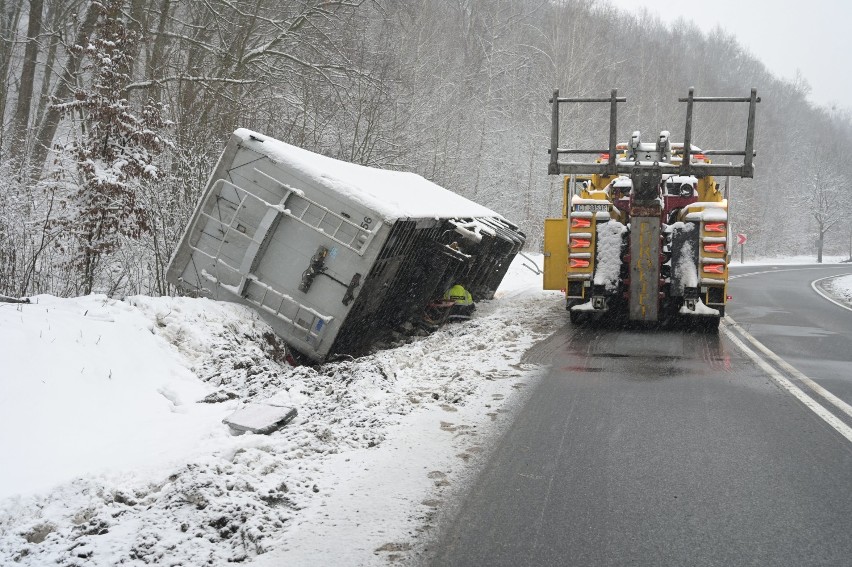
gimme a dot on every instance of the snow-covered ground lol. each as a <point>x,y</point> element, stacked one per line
<point>841,288</point>
<point>787,260</point>
<point>114,452</point>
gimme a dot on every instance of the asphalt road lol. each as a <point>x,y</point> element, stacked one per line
<point>665,447</point>
<point>778,306</point>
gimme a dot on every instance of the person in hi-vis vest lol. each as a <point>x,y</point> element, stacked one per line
<point>464,305</point>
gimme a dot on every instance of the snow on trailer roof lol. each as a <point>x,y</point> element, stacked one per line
<point>392,194</point>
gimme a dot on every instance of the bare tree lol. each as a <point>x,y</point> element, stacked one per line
<point>825,198</point>
<point>10,14</point>
<point>20,124</point>
<point>64,87</point>
<point>453,89</point>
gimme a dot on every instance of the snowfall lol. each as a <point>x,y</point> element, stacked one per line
<point>114,451</point>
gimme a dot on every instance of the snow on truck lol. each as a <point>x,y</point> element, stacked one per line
<point>644,229</point>
<point>334,255</point>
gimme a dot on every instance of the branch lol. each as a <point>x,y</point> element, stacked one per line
<point>175,78</point>
<point>7,299</point>
<point>322,8</point>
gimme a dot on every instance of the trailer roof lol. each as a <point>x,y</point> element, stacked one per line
<point>392,194</point>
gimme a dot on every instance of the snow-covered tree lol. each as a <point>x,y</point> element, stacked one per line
<point>455,90</point>
<point>114,150</point>
<point>826,196</point>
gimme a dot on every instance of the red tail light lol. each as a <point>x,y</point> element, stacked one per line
<point>605,157</point>
<point>580,243</point>
<point>715,227</point>
<point>579,263</point>
<point>715,248</point>
<point>699,156</point>
<point>581,223</point>
<point>714,268</point>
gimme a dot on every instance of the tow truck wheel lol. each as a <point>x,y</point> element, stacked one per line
<point>576,317</point>
<point>711,324</point>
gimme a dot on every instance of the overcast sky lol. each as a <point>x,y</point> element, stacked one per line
<point>809,35</point>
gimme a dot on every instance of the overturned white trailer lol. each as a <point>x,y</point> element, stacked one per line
<point>334,254</point>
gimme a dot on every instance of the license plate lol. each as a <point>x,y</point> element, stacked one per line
<point>592,208</point>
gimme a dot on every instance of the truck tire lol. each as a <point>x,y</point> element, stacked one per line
<point>575,316</point>
<point>712,323</point>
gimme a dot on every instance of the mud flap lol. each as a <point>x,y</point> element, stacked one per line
<point>555,253</point>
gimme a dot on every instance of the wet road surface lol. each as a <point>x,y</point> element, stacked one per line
<point>778,306</point>
<point>665,447</point>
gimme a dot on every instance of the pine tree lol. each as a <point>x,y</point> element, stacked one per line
<point>114,150</point>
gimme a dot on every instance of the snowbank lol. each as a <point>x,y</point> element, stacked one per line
<point>117,406</point>
<point>88,386</point>
<point>841,288</point>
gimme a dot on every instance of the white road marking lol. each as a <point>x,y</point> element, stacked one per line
<point>808,401</point>
<point>776,271</point>
<point>816,289</point>
<point>837,402</point>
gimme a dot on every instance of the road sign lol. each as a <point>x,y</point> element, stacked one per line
<point>741,239</point>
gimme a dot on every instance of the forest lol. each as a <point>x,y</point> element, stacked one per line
<point>114,113</point>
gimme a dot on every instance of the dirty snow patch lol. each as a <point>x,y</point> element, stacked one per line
<point>608,265</point>
<point>700,309</point>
